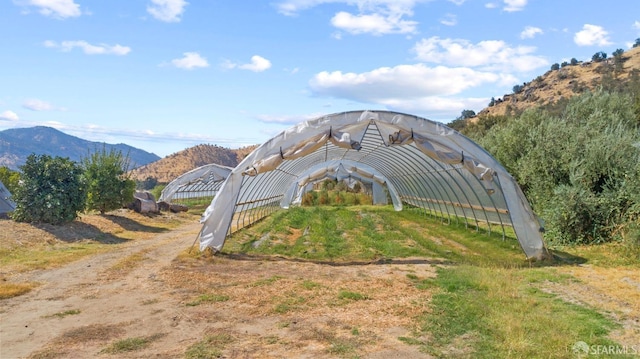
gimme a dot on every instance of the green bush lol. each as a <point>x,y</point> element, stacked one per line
<point>51,190</point>
<point>579,169</point>
<point>108,186</point>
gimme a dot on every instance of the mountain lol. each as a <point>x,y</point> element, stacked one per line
<point>557,85</point>
<point>167,169</point>
<point>18,143</point>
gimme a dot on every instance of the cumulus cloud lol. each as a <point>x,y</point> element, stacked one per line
<point>592,35</point>
<point>514,5</point>
<point>530,32</point>
<point>409,88</point>
<point>400,82</point>
<point>167,10</point>
<point>89,49</point>
<point>58,9</point>
<point>487,55</point>
<point>190,61</point>
<point>257,64</point>
<point>376,24</point>
<point>37,105</point>
<point>375,17</point>
<point>9,116</point>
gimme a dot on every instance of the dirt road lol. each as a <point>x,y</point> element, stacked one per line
<point>232,307</point>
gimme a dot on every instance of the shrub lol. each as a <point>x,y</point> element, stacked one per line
<point>9,178</point>
<point>579,169</point>
<point>108,187</point>
<point>51,190</point>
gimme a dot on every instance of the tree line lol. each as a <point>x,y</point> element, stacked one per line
<point>579,166</point>
<point>55,189</point>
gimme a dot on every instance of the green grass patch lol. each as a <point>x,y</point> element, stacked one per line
<point>366,232</point>
<point>348,295</point>
<point>131,344</point>
<point>209,347</point>
<point>208,298</point>
<point>64,314</point>
<point>501,313</point>
<point>290,302</point>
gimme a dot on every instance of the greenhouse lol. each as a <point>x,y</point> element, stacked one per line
<point>201,182</point>
<point>414,160</point>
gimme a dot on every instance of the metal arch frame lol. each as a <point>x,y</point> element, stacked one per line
<point>425,173</point>
<point>200,176</point>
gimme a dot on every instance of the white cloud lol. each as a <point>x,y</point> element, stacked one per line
<point>167,10</point>
<point>190,61</point>
<point>449,20</point>
<point>592,35</point>
<point>89,49</point>
<point>400,82</point>
<point>37,105</point>
<point>257,64</point>
<point>530,32</point>
<point>491,5</point>
<point>59,9</point>
<point>487,55</point>
<point>376,24</point>
<point>9,116</point>
<point>374,16</point>
<point>636,25</point>
<point>409,88</point>
<point>458,2</point>
<point>514,5</point>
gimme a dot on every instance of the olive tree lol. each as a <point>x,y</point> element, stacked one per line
<point>580,169</point>
<point>108,186</point>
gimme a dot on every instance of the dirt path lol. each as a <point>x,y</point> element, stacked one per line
<point>266,309</point>
<point>92,287</point>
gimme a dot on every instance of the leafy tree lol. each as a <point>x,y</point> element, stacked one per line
<point>492,102</point>
<point>517,88</point>
<point>599,56</point>
<point>465,114</point>
<point>148,184</point>
<point>564,64</point>
<point>555,67</point>
<point>618,53</point>
<point>51,190</point>
<point>108,186</point>
<point>637,43</point>
<point>9,178</point>
<point>574,61</point>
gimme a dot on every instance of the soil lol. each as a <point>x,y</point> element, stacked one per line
<point>267,308</point>
<point>154,289</point>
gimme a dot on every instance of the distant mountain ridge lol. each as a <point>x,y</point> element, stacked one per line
<point>18,143</point>
<point>167,169</point>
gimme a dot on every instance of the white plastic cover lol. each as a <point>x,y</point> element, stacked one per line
<point>6,204</point>
<point>203,181</point>
<point>427,164</point>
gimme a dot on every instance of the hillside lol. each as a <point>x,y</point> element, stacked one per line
<point>167,169</point>
<point>557,85</point>
<point>18,143</point>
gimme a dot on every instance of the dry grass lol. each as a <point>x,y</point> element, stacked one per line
<point>559,84</point>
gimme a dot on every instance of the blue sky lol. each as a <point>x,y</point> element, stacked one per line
<point>165,75</point>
